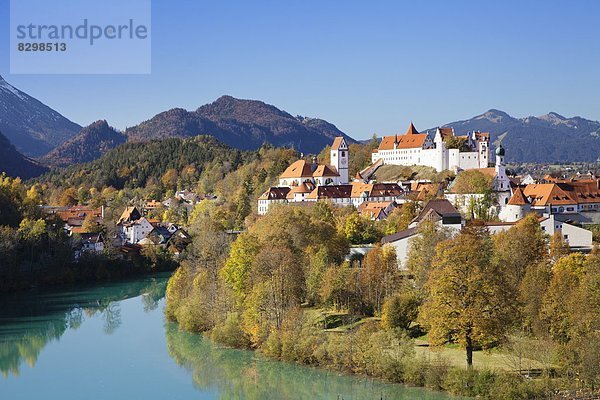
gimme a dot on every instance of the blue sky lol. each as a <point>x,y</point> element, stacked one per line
<point>368,67</point>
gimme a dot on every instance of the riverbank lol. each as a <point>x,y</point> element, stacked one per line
<point>389,356</point>
<point>112,341</point>
<point>89,269</point>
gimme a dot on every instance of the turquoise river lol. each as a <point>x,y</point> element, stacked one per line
<point>112,342</point>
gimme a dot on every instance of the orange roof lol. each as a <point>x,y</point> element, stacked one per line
<point>337,143</point>
<point>374,209</point>
<point>408,141</point>
<point>482,136</point>
<point>303,169</point>
<point>518,198</point>
<point>386,190</point>
<point>358,188</point>
<point>543,194</point>
<point>581,191</point>
<point>78,212</point>
<point>304,187</point>
<point>298,169</point>
<point>325,170</point>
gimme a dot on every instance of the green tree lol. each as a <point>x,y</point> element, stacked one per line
<point>400,310</point>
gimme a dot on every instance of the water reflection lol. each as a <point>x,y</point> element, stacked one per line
<point>31,320</point>
<point>236,374</point>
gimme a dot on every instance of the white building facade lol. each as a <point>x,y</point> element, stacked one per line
<point>426,149</point>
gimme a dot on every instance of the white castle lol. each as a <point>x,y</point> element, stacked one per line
<point>414,148</point>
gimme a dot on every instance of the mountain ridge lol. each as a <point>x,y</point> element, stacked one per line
<point>240,123</point>
<point>16,164</point>
<point>30,125</point>
<point>547,138</point>
<point>90,144</point>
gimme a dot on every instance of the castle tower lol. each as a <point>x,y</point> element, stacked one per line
<point>339,158</point>
<point>482,139</point>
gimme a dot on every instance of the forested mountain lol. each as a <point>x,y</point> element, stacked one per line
<point>138,164</point>
<point>243,124</point>
<point>30,125</point>
<point>92,142</point>
<point>14,163</point>
<point>547,138</point>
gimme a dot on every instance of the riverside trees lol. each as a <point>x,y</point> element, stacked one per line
<point>285,278</point>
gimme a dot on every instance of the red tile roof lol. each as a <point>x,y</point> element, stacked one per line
<point>518,198</point>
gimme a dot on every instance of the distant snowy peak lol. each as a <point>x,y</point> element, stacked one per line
<point>7,87</point>
<point>550,137</point>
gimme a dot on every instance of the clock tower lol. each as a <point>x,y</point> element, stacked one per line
<point>339,158</point>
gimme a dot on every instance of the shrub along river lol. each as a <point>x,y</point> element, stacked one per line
<point>112,342</point>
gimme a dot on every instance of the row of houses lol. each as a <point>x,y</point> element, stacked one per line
<point>134,229</point>
<point>444,215</point>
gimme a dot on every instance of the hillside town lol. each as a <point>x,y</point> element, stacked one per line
<point>562,206</point>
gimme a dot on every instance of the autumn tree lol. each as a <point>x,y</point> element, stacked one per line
<point>561,307</point>
<point>169,179</point>
<point>466,301</point>
<point>69,197</point>
<point>90,224</point>
<point>379,277</point>
<point>518,248</point>
<point>400,218</point>
<point>422,248</point>
<point>280,280</point>
<point>360,230</point>
<point>472,181</point>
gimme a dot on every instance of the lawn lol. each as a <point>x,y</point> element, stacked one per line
<point>453,355</point>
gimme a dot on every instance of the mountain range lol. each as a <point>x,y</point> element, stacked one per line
<point>38,131</point>
<point>547,138</point>
<point>33,127</point>
<point>244,124</point>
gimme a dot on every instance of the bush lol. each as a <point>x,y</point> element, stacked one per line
<point>514,387</point>
<point>400,310</point>
<point>230,334</point>
<point>436,373</point>
<point>460,381</point>
<point>271,347</point>
<point>415,372</point>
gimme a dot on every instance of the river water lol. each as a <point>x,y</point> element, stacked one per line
<point>112,342</point>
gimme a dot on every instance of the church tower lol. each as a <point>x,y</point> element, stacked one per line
<point>339,158</point>
<point>502,183</point>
